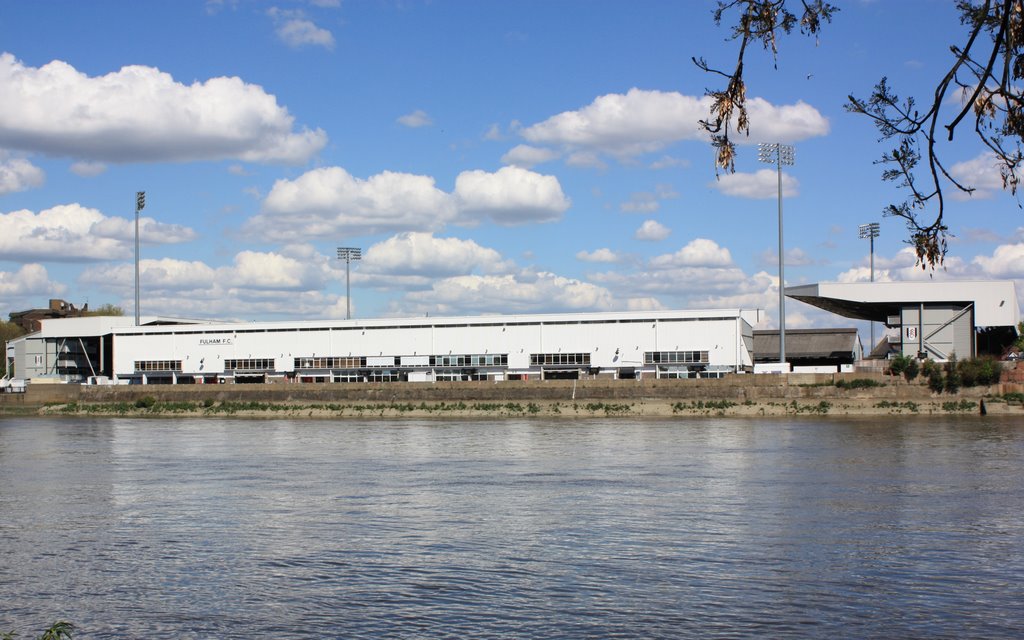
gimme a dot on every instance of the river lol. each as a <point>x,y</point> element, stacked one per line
<point>694,528</point>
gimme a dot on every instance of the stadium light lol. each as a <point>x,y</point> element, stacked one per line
<point>348,254</point>
<point>870,231</point>
<point>140,204</point>
<point>779,154</point>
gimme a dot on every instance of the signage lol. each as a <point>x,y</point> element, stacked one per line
<point>213,342</point>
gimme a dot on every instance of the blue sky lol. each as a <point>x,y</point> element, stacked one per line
<point>488,157</point>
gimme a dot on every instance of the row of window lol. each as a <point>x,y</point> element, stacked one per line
<point>249,364</point>
<point>542,359</point>
<point>351,362</point>
<point>348,362</point>
<point>158,365</point>
<point>675,357</point>
<point>470,360</point>
<point>460,360</point>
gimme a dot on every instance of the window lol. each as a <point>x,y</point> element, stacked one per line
<point>559,359</point>
<point>675,357</point>
<point>470,360</point>
<point>330,363</point>
<point>383,375</point>
<point>250,364</point>
<point>158,365</point>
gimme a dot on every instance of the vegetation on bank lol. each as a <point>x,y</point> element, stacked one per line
<point>149,406</point>
<point>950,376</point>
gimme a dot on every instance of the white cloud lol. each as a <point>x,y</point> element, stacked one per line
<point>903,267</point>
<point>686,286</point>
<point>331,202</point>
<point>652,230</point>
<point>295,30</point>
<point>624,125</point>
<point>494,132</point>
<point>586,159</point>
<point>287,283</point>
<point>73,233</point>
<point>981,173</point>
<point>700,252</point>
<point>31,280</point>
<point>525,292</point>
<point>603,254</point>
<point>761,185</point>
<point>88,169</point>
<point>783,123</point>
<point>140,114</point>
<point>863,274</point>
<point>262,271</point>
<point>668,162</point>
<point>18,174</point>
<point>638,122</point>
<point>525,156</point>
<point>415,260</point>
<point>647,202</point>
<point>1007,261</point>
<point>641,203</point>
<point>510,196</point>
<point>416,119</point>
<point>795,257</point>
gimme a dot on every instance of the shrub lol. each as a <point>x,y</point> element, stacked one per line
<point>898,365</point>
<point>913,368</point>
<point>953,378</point>
<point>858,383</point>
<point>145,402</point>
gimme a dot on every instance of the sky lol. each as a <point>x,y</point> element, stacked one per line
<point>486,157</point>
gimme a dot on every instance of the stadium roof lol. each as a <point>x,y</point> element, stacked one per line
<point>995,301</point>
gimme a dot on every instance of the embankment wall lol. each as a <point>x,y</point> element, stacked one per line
<point>737,388</point>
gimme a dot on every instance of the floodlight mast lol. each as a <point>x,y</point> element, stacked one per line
<point>348,254</point>
<point>870,231</point>
<point>140,204</point>
<point>779,154</point>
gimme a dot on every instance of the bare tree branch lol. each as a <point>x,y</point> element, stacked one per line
<point>987,71</point>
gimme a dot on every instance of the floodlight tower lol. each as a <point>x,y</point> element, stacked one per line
<point>140,204</point>
<point>870,231</point>
<point>779,154</point>
<point>348,254</point>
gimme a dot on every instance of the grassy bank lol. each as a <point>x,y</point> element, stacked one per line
<point>147,406</point>
<point>792,395</point>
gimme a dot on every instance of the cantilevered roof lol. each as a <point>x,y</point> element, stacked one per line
<point>995,301</point>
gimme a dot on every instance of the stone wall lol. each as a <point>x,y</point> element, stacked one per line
<point>737,388</point>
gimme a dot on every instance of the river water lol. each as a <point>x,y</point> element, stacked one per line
<point>815,528</point>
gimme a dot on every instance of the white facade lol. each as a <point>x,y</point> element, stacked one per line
<point>653,343</point>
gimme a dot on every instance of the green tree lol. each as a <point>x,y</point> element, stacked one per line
<point>8,330</point>
<point>986,78</point>
<point>898,365</point>
<point>106,310</point>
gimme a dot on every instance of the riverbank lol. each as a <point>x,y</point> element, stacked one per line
<point>794,395</point>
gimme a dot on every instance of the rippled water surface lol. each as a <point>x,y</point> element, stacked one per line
<point>513,529</point>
